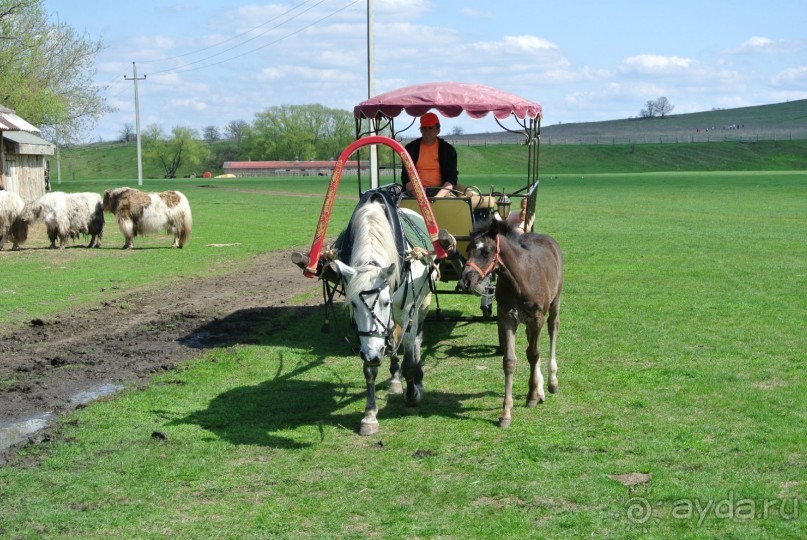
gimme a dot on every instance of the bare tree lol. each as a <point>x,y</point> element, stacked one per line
<point>657,107</point>
<point>663,106</point>
<point>457,130</point>
<point>211,134</point>
<point>236,130</point>
<point>127,133</point>
<point>649,110</point>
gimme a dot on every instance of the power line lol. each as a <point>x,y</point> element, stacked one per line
<point>181,70</point>
<point>159,60</point>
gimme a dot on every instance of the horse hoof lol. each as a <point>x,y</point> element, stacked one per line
<point>532,403</point>
<point>414,397</point>
<point>369,428</point>
<point>395,387</point>
<point>504,423</point>
<point>553,387</point>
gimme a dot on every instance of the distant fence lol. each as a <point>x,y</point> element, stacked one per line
<point>716,135</point>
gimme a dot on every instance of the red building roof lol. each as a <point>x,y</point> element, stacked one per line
<point>285,164</point>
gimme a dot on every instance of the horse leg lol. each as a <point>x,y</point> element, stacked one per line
<point>552,326</point>
<point>536,392</point>
<point>369,424</point>
<point>507,340</point>
<point>412,367</point>
<point>395,385</point>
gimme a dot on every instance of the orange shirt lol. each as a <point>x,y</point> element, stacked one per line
<point>428,166</point>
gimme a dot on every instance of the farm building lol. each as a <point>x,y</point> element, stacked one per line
<point>289,168</point>
<point>22,156</point>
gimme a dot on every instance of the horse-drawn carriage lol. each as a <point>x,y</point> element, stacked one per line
<point>388,279</point>
<point>460,213</point>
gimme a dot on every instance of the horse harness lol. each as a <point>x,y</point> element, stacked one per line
<point>380,328</point>
<point>495,263</point>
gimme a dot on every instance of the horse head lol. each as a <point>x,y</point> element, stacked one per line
<point>367,291</point>
<point>482,257</point>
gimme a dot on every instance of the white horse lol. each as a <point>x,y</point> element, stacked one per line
<point>384,290</point>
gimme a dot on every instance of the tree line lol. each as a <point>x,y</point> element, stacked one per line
<point>280,133</point>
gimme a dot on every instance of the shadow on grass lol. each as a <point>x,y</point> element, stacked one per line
<point>262,413</point>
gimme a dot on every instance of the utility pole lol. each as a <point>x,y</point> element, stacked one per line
<point>137,122</point>
<point>371,92</point>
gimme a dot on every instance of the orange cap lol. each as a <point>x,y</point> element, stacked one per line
<point>429,120</point>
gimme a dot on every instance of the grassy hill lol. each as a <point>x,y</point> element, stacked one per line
<point>774,137</point>
<point>780,121</point>
<point>120,161</point>
<point>765,121</point>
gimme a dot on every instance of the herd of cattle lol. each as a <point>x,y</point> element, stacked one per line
<point>68,216</point>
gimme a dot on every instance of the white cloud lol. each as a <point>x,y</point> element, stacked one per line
<point>796,76</point>
<point>764,45</point>
<point>528,44</point>
<point>653,64</point>
<point>516,45</point>
<point>756,43</point>
<point>189,103</point>
<point>475,13</point>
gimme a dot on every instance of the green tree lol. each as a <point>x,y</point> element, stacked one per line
<point>299,132</point>
<point>46,71</point>
<point>236,130</point>
<point>181,149</point>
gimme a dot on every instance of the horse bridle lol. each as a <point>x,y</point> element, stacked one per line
<point>377,322</point>
<point>496,261</point>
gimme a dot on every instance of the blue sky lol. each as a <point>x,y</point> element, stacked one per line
<point>208,62</point>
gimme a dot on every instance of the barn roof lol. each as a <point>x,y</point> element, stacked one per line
<point>22,137</point>
<point>283,164</point>
<point>9,121</point>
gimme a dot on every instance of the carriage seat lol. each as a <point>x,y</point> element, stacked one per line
<point>478,202</point>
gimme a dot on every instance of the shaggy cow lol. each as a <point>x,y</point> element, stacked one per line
<point>138,212</point>
<point>69,215</point>
<point>11,224</point>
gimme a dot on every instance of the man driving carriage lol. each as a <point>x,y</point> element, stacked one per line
<point>434,158</point>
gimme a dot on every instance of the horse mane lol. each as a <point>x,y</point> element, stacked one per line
<point>373,249</point>
<point>492,228</point>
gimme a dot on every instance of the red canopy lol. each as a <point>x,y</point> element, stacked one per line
<point>450,99</point>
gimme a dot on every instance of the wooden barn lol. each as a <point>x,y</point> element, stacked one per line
<point>23,157</point>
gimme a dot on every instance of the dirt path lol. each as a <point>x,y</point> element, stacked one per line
<point>53,362</point>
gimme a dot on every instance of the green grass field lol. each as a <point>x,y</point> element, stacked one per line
<point>680,360</point>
